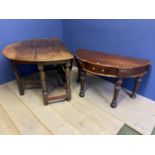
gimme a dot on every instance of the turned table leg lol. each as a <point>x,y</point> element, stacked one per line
<point>116,92</point>
<point>79,74</point>
<point>18,79</point>
<point>67,76</point>
<point>136,86</point>
<point>82,81</point>
<point>43,83</point>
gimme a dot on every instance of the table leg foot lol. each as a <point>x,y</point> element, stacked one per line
<point>21,93</point>
<point>81,94</point>
<point>133,95</point>
<point>45,98</point>
<point>116,92</point>
<point>113,104</point>
<point>136,86</point>
<point>68,98</point>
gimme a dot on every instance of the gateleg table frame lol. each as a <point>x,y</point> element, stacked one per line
<point>41,52</point>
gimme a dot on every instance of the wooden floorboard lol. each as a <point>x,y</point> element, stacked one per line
<point>91,121</point>
<point>49,117</point>
<point>77,119</point>
<point>89,115</point>
<point>109,123</point>
<point>138,113</point>
<point>6,125</point>
<point>22,117</point>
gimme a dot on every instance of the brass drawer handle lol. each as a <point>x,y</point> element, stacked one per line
<point>123,71</point>
<point>102,70</point>
<point>93,68</point>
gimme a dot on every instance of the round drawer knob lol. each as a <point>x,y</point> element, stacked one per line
<point>102,70</point>
<point>93,68</point>
<point>123,71</point>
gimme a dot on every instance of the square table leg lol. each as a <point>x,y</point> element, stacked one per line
<point>18,78</point>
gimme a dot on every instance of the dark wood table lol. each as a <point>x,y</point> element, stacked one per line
<point>110,65</point>
<point>41,52</point>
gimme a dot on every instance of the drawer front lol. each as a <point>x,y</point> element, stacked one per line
<point>100,70</point>
<point>131,72</point>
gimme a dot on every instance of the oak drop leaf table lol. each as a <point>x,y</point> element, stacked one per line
<point>110,65</point>
<point>41,52</point>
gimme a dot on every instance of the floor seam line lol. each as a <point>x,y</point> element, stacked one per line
<point>90,117</point>
<point>10,119</point>
<point>31,111</point>
<point>62,117</point>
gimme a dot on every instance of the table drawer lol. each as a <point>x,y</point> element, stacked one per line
<point>131,72</point>
<point>99,69</point>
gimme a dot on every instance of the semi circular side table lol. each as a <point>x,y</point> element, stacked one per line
<point>109,65</point>
<point>41,52</point>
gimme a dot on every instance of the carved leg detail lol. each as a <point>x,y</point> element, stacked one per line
<point>136,86</point>
<point>18,79</point>
<point>43,83</point>
<point>67,75</point>
<point>116,92</point>
<point>82,81</point>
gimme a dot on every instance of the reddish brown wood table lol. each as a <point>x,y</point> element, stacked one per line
<point>109,65</point>
<point>41,52</point>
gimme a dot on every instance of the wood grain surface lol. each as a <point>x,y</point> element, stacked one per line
<point>110,60</point>
<point>37,50</point>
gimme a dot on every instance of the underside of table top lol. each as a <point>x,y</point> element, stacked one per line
<point>37,50</point>
<point>110,60</point>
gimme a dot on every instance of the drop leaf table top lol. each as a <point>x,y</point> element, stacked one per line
<point>37,50</point>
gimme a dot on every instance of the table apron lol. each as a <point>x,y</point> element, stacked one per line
<point>112,72</point>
